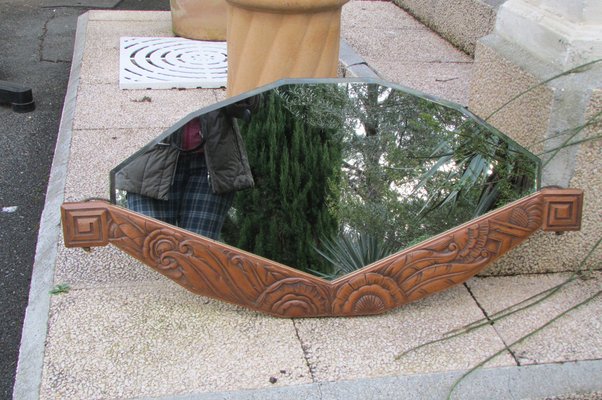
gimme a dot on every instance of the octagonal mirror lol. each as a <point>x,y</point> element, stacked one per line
<point>324,197</point>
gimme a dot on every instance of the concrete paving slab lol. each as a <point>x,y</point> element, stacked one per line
<point>91,179</point>
<point>161,17</point>
<point>101,65</point>
<point>101,56</point>
<point>153,340</point>
<point>576,336</point>
<point>401,45</point>
<point>368,14</point>
<point>446,80</point>
<point>405,51</point>
<point>350,348</point>
<point>103,266</point>
<point>108,107</point>
<point>103,33</point>
<point>220,95</point>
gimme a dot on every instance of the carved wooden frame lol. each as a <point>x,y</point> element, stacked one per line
<point>216,270</point>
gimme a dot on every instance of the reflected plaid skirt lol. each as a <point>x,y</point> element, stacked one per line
<point>192,205</point>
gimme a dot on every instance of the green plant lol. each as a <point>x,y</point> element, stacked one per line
<point>61,288</point>
<point>350,251</point>
<point>413,168</point>
<point>295,162</point>
<point>480,168</point>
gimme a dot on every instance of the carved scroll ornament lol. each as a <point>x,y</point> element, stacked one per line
<point>213,269</point>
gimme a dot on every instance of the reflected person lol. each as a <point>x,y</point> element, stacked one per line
<point>189,179</point>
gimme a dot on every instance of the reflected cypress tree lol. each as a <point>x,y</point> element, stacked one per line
<point>296,167</point>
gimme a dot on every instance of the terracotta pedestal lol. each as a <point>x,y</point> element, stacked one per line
<point>199,19</point>
<point>274,39</point>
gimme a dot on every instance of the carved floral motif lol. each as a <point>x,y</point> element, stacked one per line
<point>368,293</point>
<point>295,297</point>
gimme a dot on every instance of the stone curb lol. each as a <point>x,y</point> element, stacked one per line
<point>35,325</point>
<point>527,382</point>
<point>353,64</point>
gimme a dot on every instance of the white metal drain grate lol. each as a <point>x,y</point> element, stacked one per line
<point>169,62</point>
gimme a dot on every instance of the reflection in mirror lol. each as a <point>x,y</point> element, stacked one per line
<point>326,177</point>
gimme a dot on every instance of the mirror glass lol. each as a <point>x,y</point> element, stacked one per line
<point>325,176</point>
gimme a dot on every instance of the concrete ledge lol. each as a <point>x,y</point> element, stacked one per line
<point>353,64</point>
<point>462,22</point>
<point>530,382</point>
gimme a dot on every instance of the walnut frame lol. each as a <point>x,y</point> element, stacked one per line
<point>216,270</point>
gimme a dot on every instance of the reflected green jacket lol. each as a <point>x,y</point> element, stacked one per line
<point>151,173</point>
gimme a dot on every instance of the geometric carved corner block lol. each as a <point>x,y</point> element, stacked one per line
<point>562,209</point>
<point>85,227</point>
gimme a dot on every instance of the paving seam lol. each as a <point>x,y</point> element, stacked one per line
<point>308,363</point>
<point>491,323</point>
<point>35,325</point>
